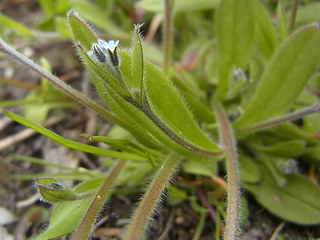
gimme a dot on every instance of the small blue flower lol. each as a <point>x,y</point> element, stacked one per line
<point>111,45</point>
<point>106,50</point>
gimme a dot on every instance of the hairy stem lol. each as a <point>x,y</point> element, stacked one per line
<point>83,231</point>
<point>285,118</point>
<point>233,189</point>
<point>152,198</point>
<point>293,15</point>
<point>167,34</point>
<point>79,97</point>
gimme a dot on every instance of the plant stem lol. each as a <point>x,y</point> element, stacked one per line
<point>83,231</point>
<point>152,198</point>
<point>285,118</point>
<point>293,15</point>
<point>69,91</point>
<point>200,226</point>
<point>233,189</point>
<point>167,34</point>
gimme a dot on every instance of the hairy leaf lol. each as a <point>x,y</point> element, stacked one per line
<point>235,33</point>
<point>297,201</point>
<point>264,35</point>
<point>287,149</point>
<point>137,66</point>
<point>248,169</point>
<point>81,31</point>
<point>284,78</point>
<point>66,216</point>
<point>165,101</point>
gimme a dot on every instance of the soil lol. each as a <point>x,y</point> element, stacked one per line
<point>172,222</point>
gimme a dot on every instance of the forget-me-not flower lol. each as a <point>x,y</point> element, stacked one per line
<point>106,50</point>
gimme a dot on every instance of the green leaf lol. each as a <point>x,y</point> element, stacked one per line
<point>308,13</point>
<point>98,17</point>
<point>201,112</point>
<point>288,149</point>
<point>264,35</point>
<point>146,120</point>
<point>273,165</point>
<point>235,33</point>
<point>175,195</point>
<point>7,24</point>
<point>66,216</point>
<point>137,67</point>
<point>134,127</point>
<point>297,201</point>
<point>124,145</point>
<point>62,27</point>
<point>195,205</point>
<point>53,191</point>
<point>47,6</point>
<point>290,131</point>
<point>201,167</point>
<point>72,144</point>
<point>161,95</point>
<point>284,78</point>
<point>282,22</point>
<point>248,169</point>
<point>81,31</point>
<point>179,5</point>
<point>312,155</point>
<point>148,133</point>
<point>89,185</point>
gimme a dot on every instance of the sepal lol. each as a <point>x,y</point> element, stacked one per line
<point>51,190</point>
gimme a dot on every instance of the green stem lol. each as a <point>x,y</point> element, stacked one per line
<point>285,118</point>
<point>233,189</point>
<point>152,198</point>
<point>293,15</point>
<point>167,35</point>
<point>200,226</point>
<point>83,231</point>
